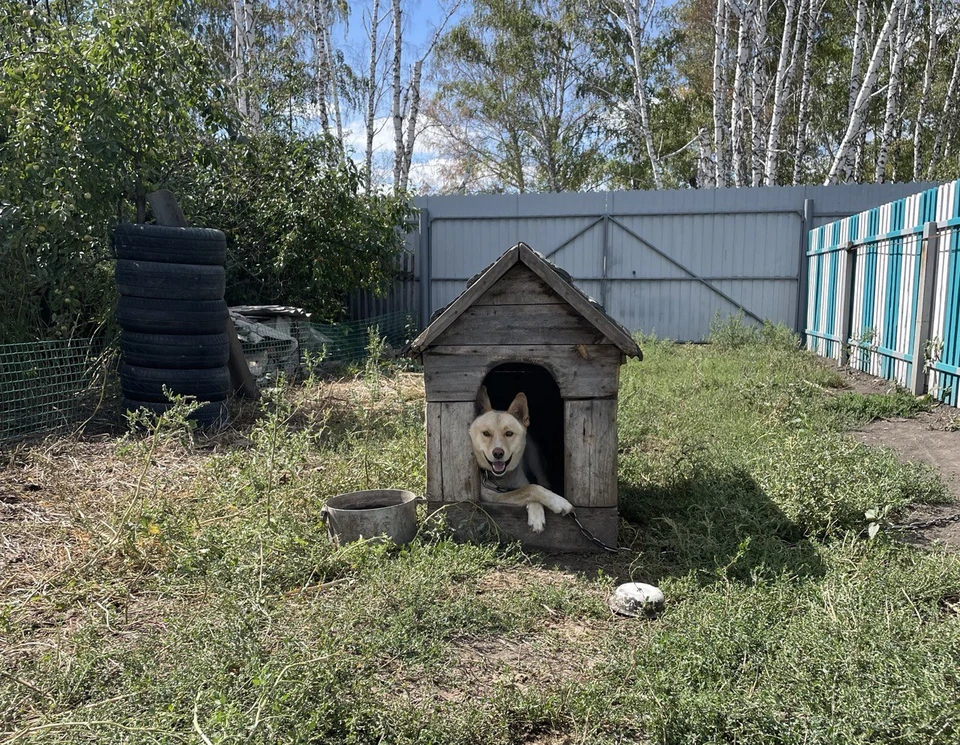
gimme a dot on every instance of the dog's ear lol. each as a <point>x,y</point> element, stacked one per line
<point>520,410</point>
<point>483,401</point>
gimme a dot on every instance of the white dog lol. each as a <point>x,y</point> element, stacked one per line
<point>507,460</point>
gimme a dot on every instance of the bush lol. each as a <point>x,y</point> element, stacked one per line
<point>300,233</point>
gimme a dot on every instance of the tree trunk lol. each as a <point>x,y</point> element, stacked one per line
<point>803,112</point>
<point>781,91</point>
<point>928,67</point>
<point>758,86</point>
<point>371,96</point>
<point>859,31</point>
<point>397,113</point>
<point>738,106</point>
<point>412,116</point>
<point>631,14</point>
<point>893,91</point>
<point>719,93</point>
<point>841,162</point>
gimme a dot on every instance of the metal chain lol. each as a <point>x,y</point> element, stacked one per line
<point>593,539</point>
<point>937,522</point>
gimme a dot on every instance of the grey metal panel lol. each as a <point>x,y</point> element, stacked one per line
<point>746,243</point>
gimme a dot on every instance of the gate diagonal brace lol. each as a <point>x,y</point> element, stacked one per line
<point>685,270</point>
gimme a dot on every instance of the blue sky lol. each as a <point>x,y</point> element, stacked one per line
<point>422,18</point>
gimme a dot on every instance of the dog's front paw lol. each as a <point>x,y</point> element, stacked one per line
<point>560,505</point>
<point>536,518</point>
<point>565,507</point>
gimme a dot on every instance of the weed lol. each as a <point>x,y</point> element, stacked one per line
<point>229,617</point>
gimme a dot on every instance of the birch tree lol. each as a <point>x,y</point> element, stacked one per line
<point>841,161</point>
<point>371,93</point>
<point>720,132</point>
<point>738,103</point>
<point>406,97</point>
<point>897,53</point>
<point>635,15</point>
<point>242,60</point>
<point>786,64</point>
<point>758,88</point>
<point>933,37</point>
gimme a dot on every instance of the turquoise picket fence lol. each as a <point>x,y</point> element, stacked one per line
<point>877,278</point>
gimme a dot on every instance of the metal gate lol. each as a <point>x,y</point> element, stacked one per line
<point>664,262</point>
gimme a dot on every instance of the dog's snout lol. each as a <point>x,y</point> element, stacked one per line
<point>498,453</point>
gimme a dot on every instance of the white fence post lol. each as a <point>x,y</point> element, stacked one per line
<point>929,247</point>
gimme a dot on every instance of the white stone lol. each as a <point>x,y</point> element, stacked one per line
<point>636,599</point>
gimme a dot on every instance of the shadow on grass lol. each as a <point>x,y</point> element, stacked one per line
<point>719,525</point>
<point>714,526</point>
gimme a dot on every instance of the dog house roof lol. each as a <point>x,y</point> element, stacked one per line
<point>555,277</point>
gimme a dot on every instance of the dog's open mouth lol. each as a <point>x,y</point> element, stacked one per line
<point>499,467</point>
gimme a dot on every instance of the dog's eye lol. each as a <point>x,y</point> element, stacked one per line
<point>486,433</point>
<point>508,434</point>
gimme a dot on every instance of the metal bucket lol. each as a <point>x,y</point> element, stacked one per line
<point>377,514</point>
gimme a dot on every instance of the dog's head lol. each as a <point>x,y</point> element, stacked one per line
<point>499,437</point>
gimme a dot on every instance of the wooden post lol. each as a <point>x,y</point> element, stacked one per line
<point>929,248</point>
<point>845,302</point>
<point>425,269</point>
<point>167,211</point>
<point>806,225</point>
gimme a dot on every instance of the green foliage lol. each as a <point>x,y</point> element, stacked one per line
<point>95,108</point>
<point>860,408</point>
<point>299,231</point>
<point>733,332</point>
<point>105,101</point>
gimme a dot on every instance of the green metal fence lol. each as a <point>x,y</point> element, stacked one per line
<point>47,386</point>
<point>52,386</point>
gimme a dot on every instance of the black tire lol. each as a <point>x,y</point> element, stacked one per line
<point>153,316</point>
<point>175,351</point>
<point>213,415</point>
<point>170,281</point>
<point>147,383</point>
<point>170,245</point>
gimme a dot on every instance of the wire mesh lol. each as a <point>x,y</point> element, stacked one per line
<point>293,346</point>
<point>48,386</point>
<point>51,386</point>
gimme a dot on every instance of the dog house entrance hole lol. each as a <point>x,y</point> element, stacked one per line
<point>546,410</point>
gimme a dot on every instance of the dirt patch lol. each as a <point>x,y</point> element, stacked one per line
<point>927,439</point>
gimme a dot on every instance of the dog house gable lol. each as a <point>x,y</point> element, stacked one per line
<point>523,309</point>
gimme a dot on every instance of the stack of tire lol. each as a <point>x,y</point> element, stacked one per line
<point>173,318</point>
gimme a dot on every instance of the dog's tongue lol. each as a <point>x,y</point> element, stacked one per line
<point>499,466</point>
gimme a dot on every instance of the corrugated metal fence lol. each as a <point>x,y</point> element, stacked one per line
<point>884,291</point>
<point>665,262</point>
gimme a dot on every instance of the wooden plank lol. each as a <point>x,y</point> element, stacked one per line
<point>455,373</point>
<point>434,453</point>
<point>167,211</point>
<point>466,299</point>
<point>471,521</point>
<point>590,452</point>
<point>520,286</point>
<point>511,325</point>
<point>596,316</point>
<point>461,475</point>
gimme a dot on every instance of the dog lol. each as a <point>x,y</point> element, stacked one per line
<point>508,459</point>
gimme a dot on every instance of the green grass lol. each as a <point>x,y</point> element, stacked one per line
<point>207,605</point>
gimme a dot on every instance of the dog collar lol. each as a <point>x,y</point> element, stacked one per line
<point>485,481</point>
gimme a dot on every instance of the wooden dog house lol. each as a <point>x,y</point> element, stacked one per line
<point>522,325</point>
